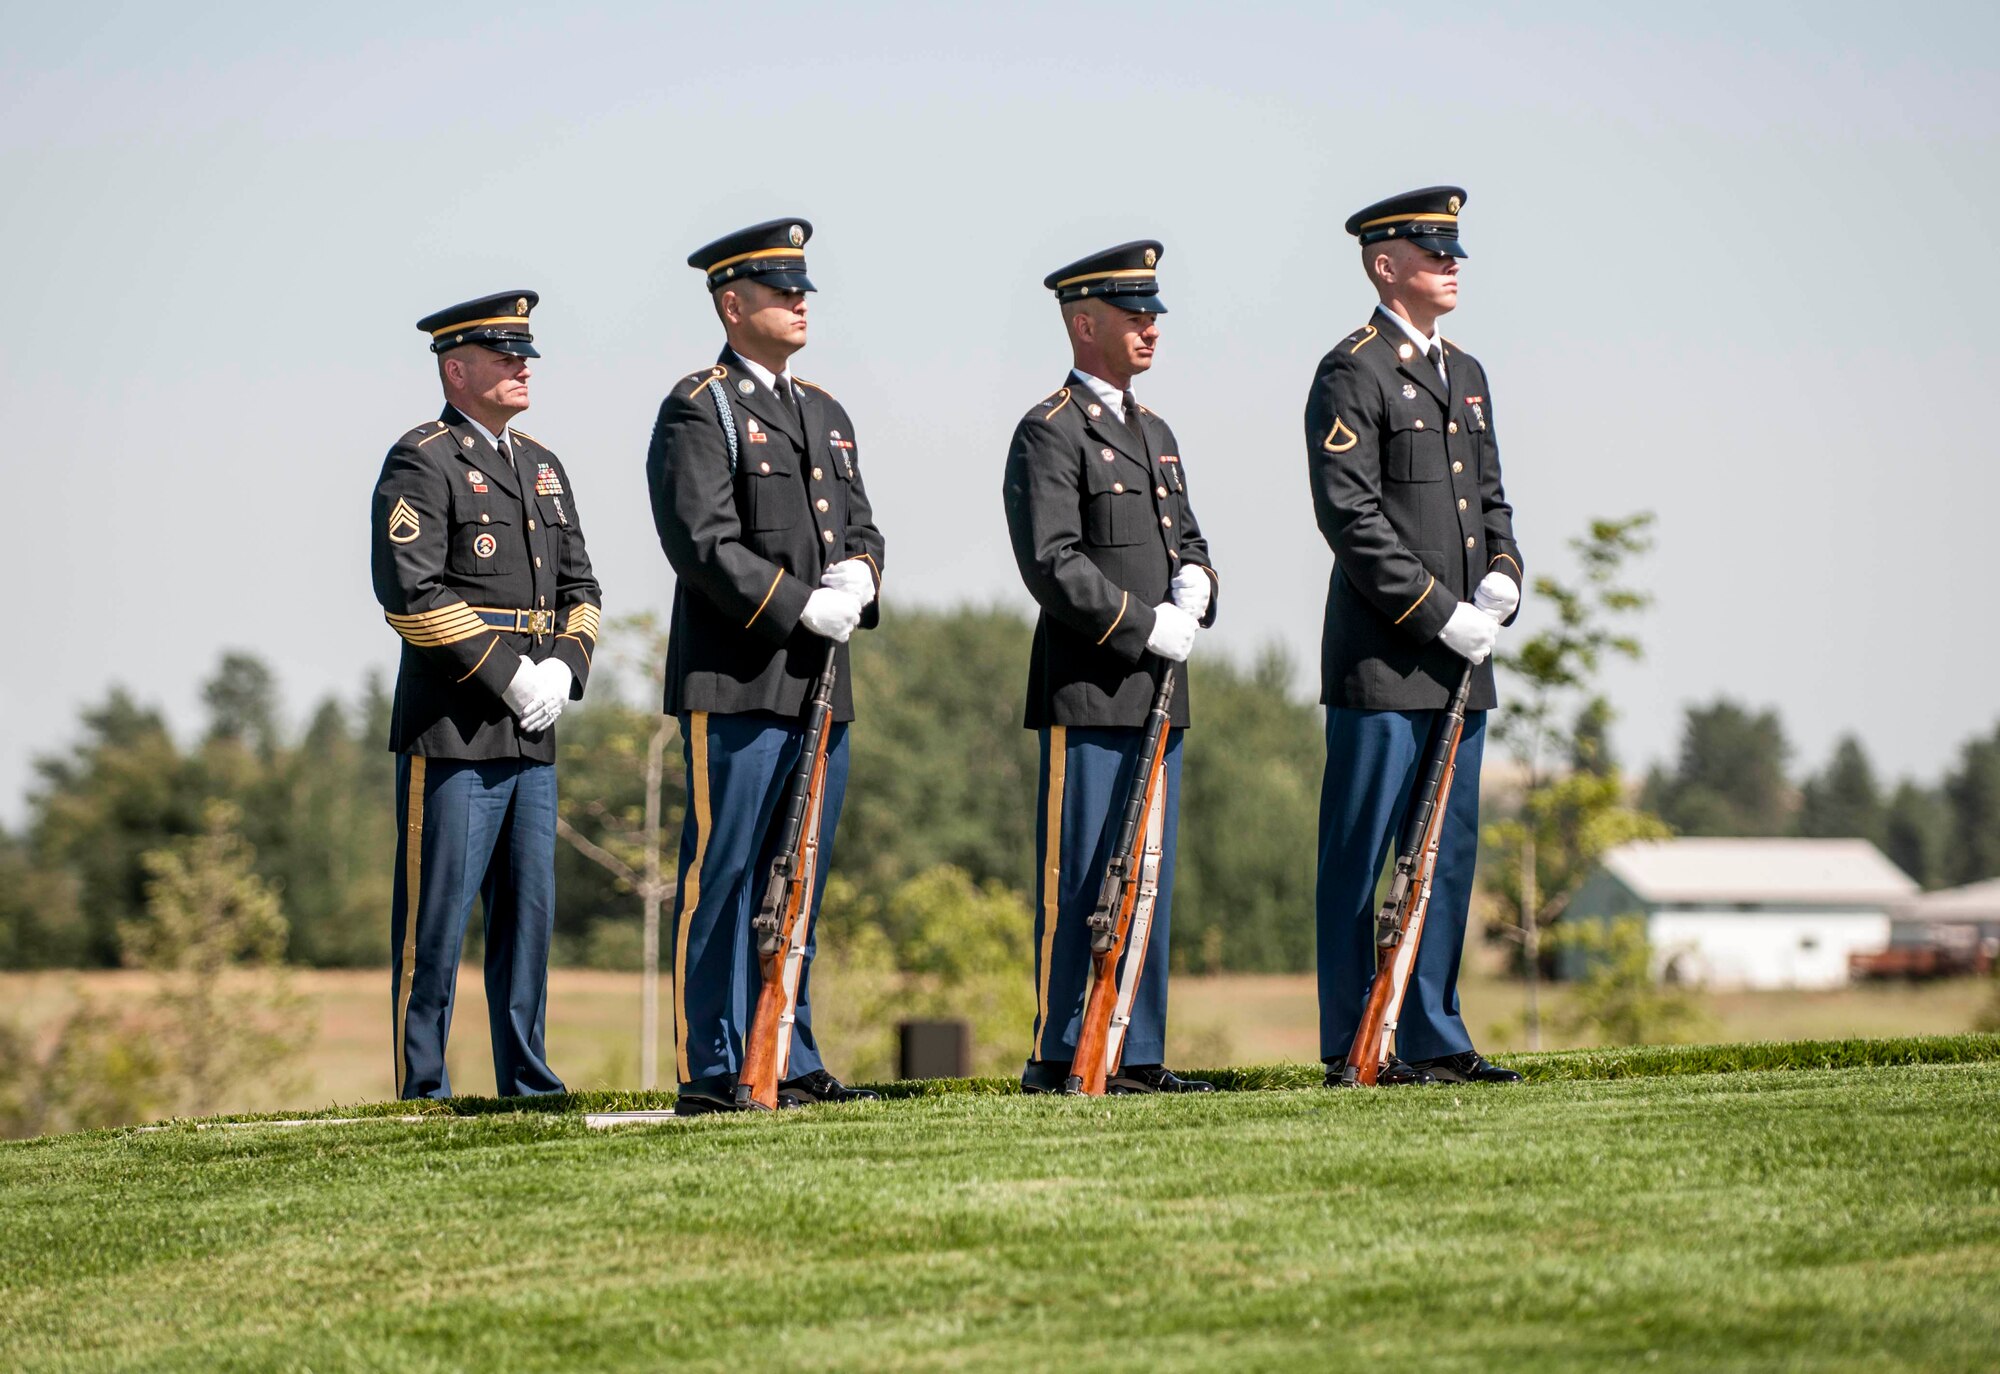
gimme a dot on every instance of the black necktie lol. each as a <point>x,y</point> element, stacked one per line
<point>789,394</point>
<point>1436,355</point>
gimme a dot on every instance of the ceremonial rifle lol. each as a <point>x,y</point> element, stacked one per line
<point>1399,925</point>
<point>784,917</point>
<point>1123,917</point>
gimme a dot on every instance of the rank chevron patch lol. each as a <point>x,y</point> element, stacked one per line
<point>403,526</point>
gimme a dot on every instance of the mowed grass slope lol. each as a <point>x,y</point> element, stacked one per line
<point>1822,1219</point>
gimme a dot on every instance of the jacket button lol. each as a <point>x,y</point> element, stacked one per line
<point>484,517</point>
<point>1167,520</point>
<point>538,562</point>
<point>1420,424</point>
<point>827,535</point>
<point>1160,492</point>
<point>1461,503</point>
<point>1458,467</point>
<point>1118,486</point>
<point>1452,428</point>
<point>1469,541</point>
<point>763,467</point>
<point>817,474</point>
<point>531,524</point>
<point>821,503</point>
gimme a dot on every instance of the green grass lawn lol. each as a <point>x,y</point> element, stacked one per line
<point>1594,1219</point>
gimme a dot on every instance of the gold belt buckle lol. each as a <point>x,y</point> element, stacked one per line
<point>541,623</point>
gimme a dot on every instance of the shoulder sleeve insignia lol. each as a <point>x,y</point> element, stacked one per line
<point>403,525</point>
<point>1340,438</point>
<point>1055,401</point>
<point>1361,338</point>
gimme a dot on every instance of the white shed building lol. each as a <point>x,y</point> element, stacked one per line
<point>1756,913</point>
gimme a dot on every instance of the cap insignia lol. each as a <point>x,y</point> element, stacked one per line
<point>798,237</point>
<point>521,305</point>
<point>1451,206</point>
<point>1151,257</point>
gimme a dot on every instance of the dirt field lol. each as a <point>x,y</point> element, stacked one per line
<point>594,1020</point>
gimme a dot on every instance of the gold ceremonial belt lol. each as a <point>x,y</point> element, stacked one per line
<point>520,622</point>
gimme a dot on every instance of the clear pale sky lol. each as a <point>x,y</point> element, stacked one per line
<point>1730,263</point>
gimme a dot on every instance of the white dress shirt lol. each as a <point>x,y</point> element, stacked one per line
<point>1423,344</point>
<point>494,439</point>
<point>1111,396</point>
<point>769,378</point>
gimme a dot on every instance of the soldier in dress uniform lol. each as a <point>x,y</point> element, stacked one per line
<point>1405,475</point>
<point>480,565</point>
<point>1106,540</point>
<point>758,498</point>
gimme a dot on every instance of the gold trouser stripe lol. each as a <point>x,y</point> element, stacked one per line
<point>768,592</point>
<point>691,890</point>
<point>1418,602</point>
<point>413,879</point>
<point>1124,600</point>
<point>1051,874</point>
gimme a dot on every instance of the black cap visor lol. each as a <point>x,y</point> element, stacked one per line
<point>782,280</point>
<point>1438,243</point>
<point>519,346</point>
<point>1148,304</point>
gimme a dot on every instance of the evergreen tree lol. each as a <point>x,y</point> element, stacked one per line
<point>1973,792</point>
<point>1916,827</point>
<point>1730,777</point>
<point>1843,801</point>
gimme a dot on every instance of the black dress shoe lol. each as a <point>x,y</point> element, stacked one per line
<point>699,1102</point>
<point>1394,1074</point>
<point>817,1087</point>
<point>1045,1076</point>
<point>1470,1067</point>
<point>1153,1078</point>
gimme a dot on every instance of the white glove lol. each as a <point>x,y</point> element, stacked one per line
<point>851,576</point>
<point>524,690</point>
<point>1470,633</point>
<point>1498,595</point>
<point>831,614</point>
<point>1191,591</point>
<point>555,679</point>
<point>1173,632</point>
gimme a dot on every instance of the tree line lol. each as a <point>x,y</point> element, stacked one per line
<point>1732,776</point>
<point>943,775</point>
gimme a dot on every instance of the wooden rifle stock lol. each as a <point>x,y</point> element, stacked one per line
<point>1399,925</point>
<point>1097,1048</point>
<point>784,915</point>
